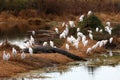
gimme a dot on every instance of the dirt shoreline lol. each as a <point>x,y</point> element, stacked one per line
<point>14,66</point>
<point>40,60</point>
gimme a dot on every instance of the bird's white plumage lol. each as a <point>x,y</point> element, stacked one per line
<point>97,29</point>
<point>30,51</point>
<point>110,40</point>
<point>89,50</point>
<point>110,53</point>
<point>89,13</point>
<point>33,32</point>
<point>6,56</point>
<point>56,30</point>
<point>51,43</point>
<point>14,52</point>
<point>45,43</point>
<point>67,46</point>
<point>81,18</point>
<point>23,55</point>
<point>91,36</point>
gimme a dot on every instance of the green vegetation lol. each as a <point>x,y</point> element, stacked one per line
<point>91,22</point>
<point>101,36</point>
<point>73,31</point>
<point>116,30</point>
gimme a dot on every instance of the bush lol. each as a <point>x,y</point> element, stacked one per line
<point>116,30</point>
<point>91,22</point>
<point>101,36</point>
<point>73,31</point>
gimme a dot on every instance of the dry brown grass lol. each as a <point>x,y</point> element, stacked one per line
<point>16,65</point>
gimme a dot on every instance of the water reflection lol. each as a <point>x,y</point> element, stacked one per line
<point>75,73</point>
<point>91,69</point>
<point>19,42</point>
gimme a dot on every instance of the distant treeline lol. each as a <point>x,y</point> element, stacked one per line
<point>61,7</point>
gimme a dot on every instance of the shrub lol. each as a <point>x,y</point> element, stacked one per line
<point>73,31</point>
<point>101,36</point>
<point>116,30</point>
<point>91,22</point>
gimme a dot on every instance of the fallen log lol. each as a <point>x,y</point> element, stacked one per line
<point>47,50</point>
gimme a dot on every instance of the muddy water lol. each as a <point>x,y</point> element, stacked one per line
<point>73,72</point>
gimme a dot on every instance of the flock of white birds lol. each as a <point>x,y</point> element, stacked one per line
<point>81,37</point>
<point>69,39</point>
<point>28,44</point>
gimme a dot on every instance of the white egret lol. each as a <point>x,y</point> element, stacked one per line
<point>33,32</point>
<point>71,23</point>
<point>89,50</point>
<point>6,57</point>
<point>14,52</point>
<point>110,53</point>
<point>67,46</point>
<point>30,51</point>
<point>76,44</point>
<point>90,31</point>
<point>79,34</point>
<point>105,42</point>
<point>63,24</point>
<point>81,18</point>
<point>23,55</point>
<point>91,36</point>
<point>108,24</point>
<point>101,30</point>
<point>78,29</point>
<point>69,40</point>
<point>62,35</point>
<point>94,46</point>
<point>110,40</point>
<point>32,40</point>
<point>83,38</point>
<point>51,43</point>
<point>85,43</point>
<point>97,29</point>
<point>45,43</point>
<point>27,44</point>
<point>89,13</point>
<point>56,30</point>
